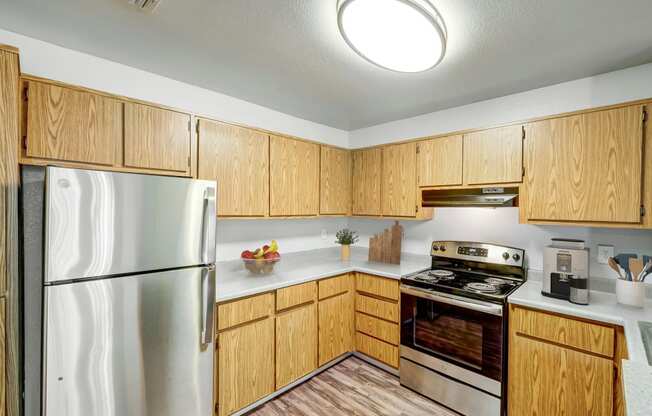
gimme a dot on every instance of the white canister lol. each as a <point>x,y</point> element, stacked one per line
<point>630,293</point>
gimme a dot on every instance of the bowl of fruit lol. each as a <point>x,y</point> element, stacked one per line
<point>262,260</point>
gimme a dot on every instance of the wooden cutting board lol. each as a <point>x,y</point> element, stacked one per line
<point>386,246</point>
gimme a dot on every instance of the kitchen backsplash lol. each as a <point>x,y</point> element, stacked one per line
<point>501,226</point>
<point>234,236</point>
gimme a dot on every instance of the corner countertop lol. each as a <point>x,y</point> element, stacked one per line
<point>234,281</point>
<point>603,307</point>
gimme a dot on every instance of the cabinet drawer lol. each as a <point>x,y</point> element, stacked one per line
<point>376,307</point>
<point>245,310</point>
<point>377,328</point>
<point>379,286</point>
<point>334,286</point>
<point>582,335</point>
<point>377,349</point>
<point>295,295</point>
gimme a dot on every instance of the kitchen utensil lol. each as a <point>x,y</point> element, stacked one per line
<point>646,271</point>
<point>614,266</point>
<point>635,268</point>
<point>623,261</point>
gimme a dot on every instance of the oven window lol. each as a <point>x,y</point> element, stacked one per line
<point>448,335</point>
<point>458,335</point>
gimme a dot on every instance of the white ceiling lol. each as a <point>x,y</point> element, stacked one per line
<point>288,55</point>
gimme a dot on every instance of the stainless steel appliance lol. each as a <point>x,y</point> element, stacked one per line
<point>566,271</point>
<point>454,325</point>
<point>477,197</point>
<point>119,293</point>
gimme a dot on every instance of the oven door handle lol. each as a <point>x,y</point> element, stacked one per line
<point>475,305</point>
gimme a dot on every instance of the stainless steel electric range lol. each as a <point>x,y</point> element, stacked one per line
<point>454,325</point>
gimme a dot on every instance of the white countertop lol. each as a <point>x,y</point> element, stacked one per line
<point>234,281</point>
<point>603,307</point>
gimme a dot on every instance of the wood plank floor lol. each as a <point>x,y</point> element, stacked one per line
<point>351,387</point>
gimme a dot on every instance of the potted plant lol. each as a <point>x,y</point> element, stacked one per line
<point>345,238</point>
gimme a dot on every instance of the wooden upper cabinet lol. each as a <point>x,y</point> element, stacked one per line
<point>72,125</point>
<point>293,177</point>
<point>399,186</point>
<point>156,138</point>
<point>367,168</point>
<point>335,190</point>
<point>238,159</point>
<point>585,167</point>
<point>493,156</point>
<point>440,161</point>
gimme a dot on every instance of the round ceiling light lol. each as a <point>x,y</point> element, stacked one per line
<point>401,35</point>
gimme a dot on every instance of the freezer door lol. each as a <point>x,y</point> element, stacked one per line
<point>129,346</point>
<point>106,223</point>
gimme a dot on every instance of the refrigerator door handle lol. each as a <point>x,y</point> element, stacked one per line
<point>208,227</point>
<point>208,304</point>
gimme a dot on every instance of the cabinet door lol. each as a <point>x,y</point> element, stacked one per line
<point>246,365</point>
<point>238,159</point>
<point>399,189</point>
<point>156,138</point>
<point>296,344</point>
<point>493,156</point>
<point>293,177</point>
<point>336,326</point>
<point>335,190</point>
<point>72,125</point>
<point>367,166</point>
<point>440,161</point>
<point>546,379</point>
<point>585,167</point>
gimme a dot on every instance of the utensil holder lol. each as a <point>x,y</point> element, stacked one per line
<point>630,293</point>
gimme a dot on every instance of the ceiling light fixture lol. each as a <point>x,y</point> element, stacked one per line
<point>401,35</point>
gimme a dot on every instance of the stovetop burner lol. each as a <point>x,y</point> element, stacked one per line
<point>482,287</point>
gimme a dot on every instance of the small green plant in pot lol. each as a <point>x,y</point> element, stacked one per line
<point>345,238</point>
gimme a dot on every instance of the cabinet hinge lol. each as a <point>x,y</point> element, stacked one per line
<point>644,116</point>
<point>25,142</point>
<point>642,210</point>
<point>417,149</point>
<point>523,132</point>
<point>523,172</point>
<point>26,92</point>
<point>197,127</point>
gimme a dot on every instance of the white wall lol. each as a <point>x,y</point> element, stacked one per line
<point>610,88</point>
<point>234,236</point>
<point>51,61</point>
<point>501,226</point>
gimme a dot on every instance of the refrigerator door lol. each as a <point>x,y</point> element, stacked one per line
<point>106,223</point>
<point>129,346</point>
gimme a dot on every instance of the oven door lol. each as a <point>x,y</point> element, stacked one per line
<point>464,332</point>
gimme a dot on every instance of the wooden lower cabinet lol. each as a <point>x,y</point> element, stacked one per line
<point>335,327</point>
<point>245,365</point>
<point>296,344</point>
<point>559,365</point>
<point>547,379</point>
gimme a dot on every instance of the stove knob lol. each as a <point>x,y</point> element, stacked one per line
<point>516,257</point>
<point>442,248</point>
<point>435,248</point>
<point>506,255</point>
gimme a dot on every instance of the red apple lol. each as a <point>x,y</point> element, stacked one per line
<point>247,254</point>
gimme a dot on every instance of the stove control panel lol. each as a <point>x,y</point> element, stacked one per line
<point>473,251</point>
<point>479,252</point>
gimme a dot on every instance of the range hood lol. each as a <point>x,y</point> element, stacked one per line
<point>477,197</point>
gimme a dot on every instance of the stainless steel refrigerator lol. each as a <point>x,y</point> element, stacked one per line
<point>119,291</point>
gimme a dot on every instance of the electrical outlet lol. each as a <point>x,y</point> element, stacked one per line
<point>604,252</point>
<point>324,235</point>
